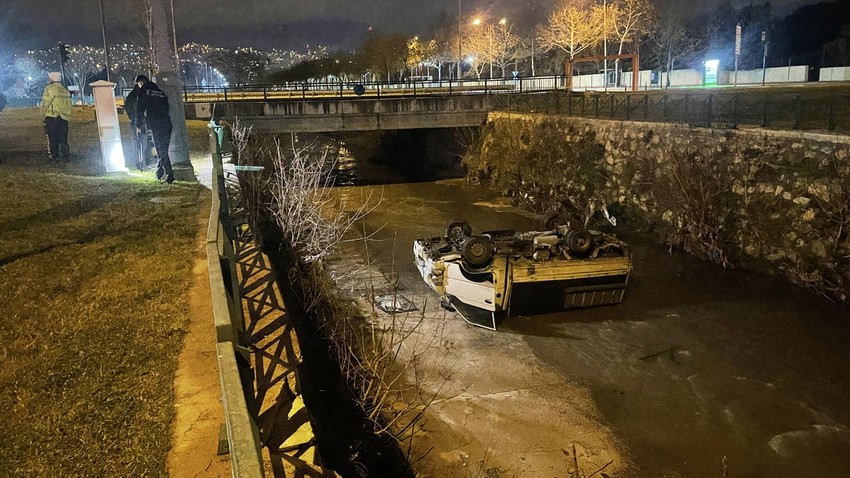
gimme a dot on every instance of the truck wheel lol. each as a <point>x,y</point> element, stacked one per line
<point>579,241</point>
<point>457,230</point>
<point>477,252</point>
<point>553,220</point>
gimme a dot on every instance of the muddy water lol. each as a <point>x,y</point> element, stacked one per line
<point>696,365</point>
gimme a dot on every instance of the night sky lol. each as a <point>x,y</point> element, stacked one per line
<point>259,23</point>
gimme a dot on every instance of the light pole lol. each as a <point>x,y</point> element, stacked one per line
<point>605,45</point>
<point>459,49</point>
<point>764,58</point>
<point>477,22</point>
<point>503,22</point>
<point>105,46</point>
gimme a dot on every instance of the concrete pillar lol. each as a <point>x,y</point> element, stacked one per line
<point>107,127</point>
<point>167,78</point>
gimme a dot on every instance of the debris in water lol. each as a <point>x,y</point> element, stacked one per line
<point>394,303</point>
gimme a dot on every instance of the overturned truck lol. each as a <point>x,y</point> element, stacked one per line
<point>497,273</point>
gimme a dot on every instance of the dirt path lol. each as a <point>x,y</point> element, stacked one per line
<point>196,385</point>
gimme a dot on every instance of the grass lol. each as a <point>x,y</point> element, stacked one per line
<point>94,272</point>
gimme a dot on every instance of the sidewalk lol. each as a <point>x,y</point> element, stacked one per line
<point>197,393</point>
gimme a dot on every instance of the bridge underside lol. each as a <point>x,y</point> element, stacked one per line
<point>325,116</point>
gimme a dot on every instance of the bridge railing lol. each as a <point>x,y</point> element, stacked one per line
<point>307,90</point>
<point>780,110</point>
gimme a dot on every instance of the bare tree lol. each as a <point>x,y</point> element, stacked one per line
<point>506,46</point>
<point>672,40</point>
<point>628,21</point>
<point>476,48</point>
<point>572,29</point>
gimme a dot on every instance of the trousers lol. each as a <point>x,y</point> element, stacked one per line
<point>57,138</point>
<point>161,130</point>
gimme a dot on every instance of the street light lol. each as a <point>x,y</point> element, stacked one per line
<point>503,22</point>
<point>105,46</point>
<point>764,57</point>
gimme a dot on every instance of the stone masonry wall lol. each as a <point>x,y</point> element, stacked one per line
<point>772,200</point>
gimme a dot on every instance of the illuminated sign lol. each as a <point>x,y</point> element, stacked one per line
<point>711,67</point>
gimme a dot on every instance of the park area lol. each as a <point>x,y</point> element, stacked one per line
<point>96,280</point>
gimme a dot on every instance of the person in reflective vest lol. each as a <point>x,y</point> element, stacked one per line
<point>56,109</point>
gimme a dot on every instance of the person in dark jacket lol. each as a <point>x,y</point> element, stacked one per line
<point>138,131</point>
<point>152,113</point>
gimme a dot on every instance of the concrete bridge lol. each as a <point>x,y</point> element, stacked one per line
<point>350,114</point>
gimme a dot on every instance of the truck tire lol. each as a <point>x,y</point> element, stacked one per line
<point>579,242</point>
<point>457,230</point>
<point>477,252</point>
<point>553,220</point>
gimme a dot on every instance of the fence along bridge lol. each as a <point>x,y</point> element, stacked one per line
<point>331,107</point>
<point>335,107</point>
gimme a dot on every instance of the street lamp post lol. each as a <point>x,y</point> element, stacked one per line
<point>605,45</point>
<point>490,47</point>
<point>105,46</point>
<point>764,58</point>
<point>503,22</point>
<point>459,49</point>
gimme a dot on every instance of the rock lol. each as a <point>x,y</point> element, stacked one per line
<point>818,249</point>
<point>801,200</point>
<point>786,195</point>
<point>809,215</point>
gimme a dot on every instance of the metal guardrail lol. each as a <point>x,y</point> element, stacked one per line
<point>235,375</point>
<point>814,111</point>
<point>371,90</point>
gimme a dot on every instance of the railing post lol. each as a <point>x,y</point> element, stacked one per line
<point>485,87</point>
<point>265,93</point>
<point>735,111</point>
<point>414,89</point>
<point>764,114</point>
<point>341,92</point>
<point>829,125</point>
<point>710,108</point>
<point>304,90</point>
<point>225,93</point>
<point>797,112</point>
<point>450,86</point>
<point>185,94</point>
<point>520,84</point>
<point>379,89</point>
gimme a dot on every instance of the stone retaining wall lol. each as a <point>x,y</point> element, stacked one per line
<point>774,200</point>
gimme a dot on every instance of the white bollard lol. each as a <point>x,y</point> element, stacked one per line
<point>107,127</point>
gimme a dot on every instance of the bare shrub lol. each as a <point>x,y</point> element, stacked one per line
<point>693,190</point>
<point>380,361</point>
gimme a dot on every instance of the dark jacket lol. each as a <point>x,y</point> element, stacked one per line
<point>131,104</point>
<point>152,107</point>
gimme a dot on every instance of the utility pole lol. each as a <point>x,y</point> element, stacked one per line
<point>103,33</point>
<point>168,80</point>
<point>459,49</point>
